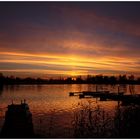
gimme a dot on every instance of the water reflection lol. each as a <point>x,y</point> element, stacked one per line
<point>132,89</point>
<point>56,115</point>
<point>39,88</point>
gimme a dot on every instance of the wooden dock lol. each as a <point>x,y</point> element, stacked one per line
<point>18,122</point>
<point>106,95</point>
<point>75,93</point>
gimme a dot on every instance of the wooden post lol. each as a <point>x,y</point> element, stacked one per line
<point>118,89</point>
<point>96,88</point>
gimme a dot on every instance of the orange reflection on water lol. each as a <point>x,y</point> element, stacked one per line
<point>52,106</point>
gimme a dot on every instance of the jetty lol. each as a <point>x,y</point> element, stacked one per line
<point>18,122</point>
<point>106,96</point>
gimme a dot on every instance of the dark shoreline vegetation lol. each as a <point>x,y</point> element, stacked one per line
<point>94,122</point>
<point>97,79</point>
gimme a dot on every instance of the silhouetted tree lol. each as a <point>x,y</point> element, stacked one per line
<point>138,81</point>
<point>97,79</point>
<point>79,79</point>
<point>69,80</point>
<point>122,79</point>
<point>1,79</point>
<point>89,79</point>
<point>113,80</point>
<point>131,79</point>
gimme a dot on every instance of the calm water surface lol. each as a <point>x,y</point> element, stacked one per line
<point>52,108</point>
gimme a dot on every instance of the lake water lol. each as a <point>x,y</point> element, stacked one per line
<point>53,110</point>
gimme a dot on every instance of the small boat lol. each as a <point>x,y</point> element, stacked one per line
<point>18,122</point>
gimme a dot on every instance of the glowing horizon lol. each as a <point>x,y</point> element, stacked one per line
<point>56,40</point>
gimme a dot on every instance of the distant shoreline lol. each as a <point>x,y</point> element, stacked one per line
<point>97,79</point>
<point>68,84</point>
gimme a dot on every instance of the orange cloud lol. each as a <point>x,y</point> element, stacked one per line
<point>77,65</point>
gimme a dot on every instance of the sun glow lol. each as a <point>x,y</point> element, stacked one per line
<point>62,64</point>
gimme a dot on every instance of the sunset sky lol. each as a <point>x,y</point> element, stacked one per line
<point>74,38</point>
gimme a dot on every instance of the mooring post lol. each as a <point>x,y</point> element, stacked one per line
<point>24,101</point>
<point>96,88</point>
<point>118,89</point>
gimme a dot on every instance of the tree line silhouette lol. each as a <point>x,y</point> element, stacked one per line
<point>89,79</point>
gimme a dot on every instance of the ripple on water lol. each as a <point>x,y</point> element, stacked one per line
<point>52,109</point>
